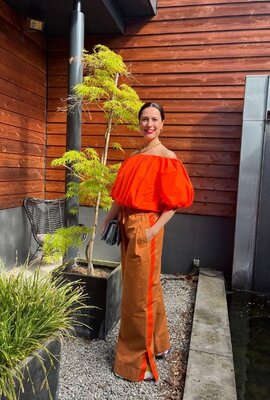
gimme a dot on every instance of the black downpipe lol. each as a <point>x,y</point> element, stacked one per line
<point>75,76</point>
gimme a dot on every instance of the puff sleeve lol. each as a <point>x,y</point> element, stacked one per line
<point>175,186</point>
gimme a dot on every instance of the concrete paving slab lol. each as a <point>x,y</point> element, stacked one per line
<point>210,330</point>
<point>209,377</point>
<point>210,370</point>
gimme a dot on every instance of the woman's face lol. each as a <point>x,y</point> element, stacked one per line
<point>150,123</point>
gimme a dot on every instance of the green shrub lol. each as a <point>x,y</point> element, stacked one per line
<point>34,308</point>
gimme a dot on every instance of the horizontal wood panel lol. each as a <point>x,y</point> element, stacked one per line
<point>210,196</point>
<point>201,92</point>
<point>21,134</point>
<point>20,121</point>
<point>182,39</point>
<point>11,61</point>
<point>197,52</point>
<point>22,95</point>
<point>11,146</point>
<point>21,174</point>
<point>219,210</point>
<point>25,49</point>
<point>20,107</point>
<point>212,170</point>
<point>204,25</point>
<point>20,187</point>
<point>22,81</point>
<point>57,81</point>
<point>21,161</point>
<point>210,11</point>
<point>55,186</point>
<point>214,184</point>
<point>203,66</point>
<point>191,79</point>
<point>209,157</point>
<point>53,195</point>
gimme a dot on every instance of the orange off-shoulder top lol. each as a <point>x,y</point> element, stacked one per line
<point>153,183</point>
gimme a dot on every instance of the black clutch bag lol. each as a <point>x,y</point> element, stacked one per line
<point>111,234</point>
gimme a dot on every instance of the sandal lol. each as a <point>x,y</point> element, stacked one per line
<point>164,354</point>
<point>148,376</point>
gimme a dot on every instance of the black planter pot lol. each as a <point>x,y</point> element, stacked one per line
<point>104,295</point>
<point>37,377</point>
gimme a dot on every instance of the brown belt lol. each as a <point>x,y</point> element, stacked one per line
<point>130,210</point>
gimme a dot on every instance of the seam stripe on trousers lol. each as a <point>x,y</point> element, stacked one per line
<point>150,317</point>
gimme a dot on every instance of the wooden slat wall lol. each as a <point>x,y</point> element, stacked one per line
<point>22,110</point>
<point>193,58</point>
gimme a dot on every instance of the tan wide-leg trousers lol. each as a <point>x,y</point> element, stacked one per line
<point>143,329</point>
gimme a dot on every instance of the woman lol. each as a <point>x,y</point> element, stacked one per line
<point>151,184</point>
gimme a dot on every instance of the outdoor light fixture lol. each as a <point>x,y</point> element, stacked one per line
<point>35,24</point>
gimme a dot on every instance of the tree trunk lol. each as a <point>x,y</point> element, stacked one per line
<point>90,246</point>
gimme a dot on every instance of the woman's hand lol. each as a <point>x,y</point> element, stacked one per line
<point>113,212</point>
<point>149,233</point>
<point>163,219</point>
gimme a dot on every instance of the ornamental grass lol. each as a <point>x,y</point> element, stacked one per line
<point>34,307</point>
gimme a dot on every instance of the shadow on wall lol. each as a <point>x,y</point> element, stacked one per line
<point>207,238</point>
<point>15,236</point>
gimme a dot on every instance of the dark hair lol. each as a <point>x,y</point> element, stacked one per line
<point>155,105</point>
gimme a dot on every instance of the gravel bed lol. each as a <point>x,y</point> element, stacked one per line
<point>86,365</point>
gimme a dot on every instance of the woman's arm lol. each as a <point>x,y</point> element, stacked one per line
<point>112,213</point>
<point>163,219</point>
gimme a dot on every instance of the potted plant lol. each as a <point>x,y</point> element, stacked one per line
<point>36,312</point>
<point>94,177</point>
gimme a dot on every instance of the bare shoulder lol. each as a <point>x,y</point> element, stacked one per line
<point>167,153</point>
<point>134,153</point>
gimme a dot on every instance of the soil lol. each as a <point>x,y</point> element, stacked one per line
<point>101,272</point>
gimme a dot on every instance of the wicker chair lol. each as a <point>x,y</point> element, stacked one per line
<point>45,216</point>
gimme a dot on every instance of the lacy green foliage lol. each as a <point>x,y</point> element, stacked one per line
<point>104,62</point>
<point>121,103</point>
<point>117,146</point>
<point>33,309</point>
<point>94,177</point>
<point>57,244</point>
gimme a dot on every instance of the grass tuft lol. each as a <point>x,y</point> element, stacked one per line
<point>34,307</point>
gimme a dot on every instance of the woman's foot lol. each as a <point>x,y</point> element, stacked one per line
<point>118,376</point>
<point>164,354</point>
<point>148,376</point>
